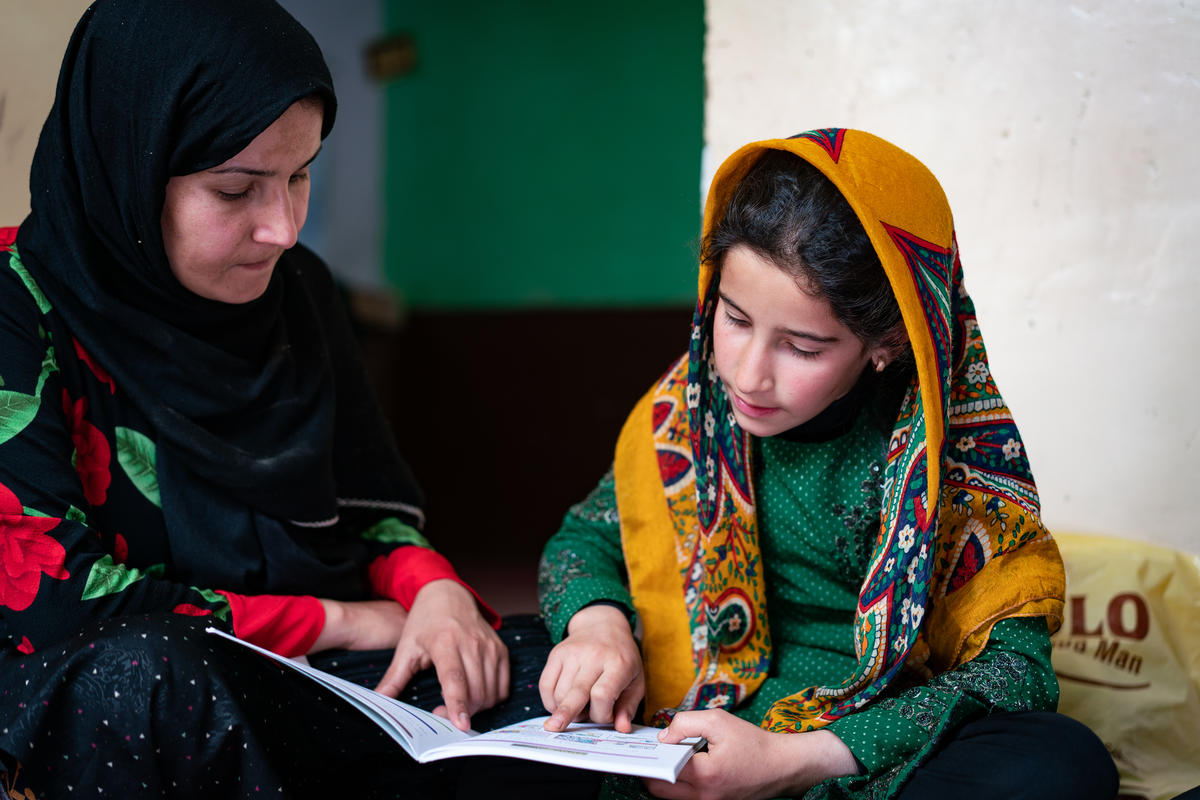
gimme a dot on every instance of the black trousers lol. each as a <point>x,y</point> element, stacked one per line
<point>152,706</point>
<point>1017,756</point>
<point>1006,756</point>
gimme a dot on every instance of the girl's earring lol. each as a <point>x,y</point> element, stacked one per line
<point>879,365</point>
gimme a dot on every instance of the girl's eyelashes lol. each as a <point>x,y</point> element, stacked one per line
<point>796,351</point>
<point>233,195</point>
<point>737,322</point>
<point>792,349</point>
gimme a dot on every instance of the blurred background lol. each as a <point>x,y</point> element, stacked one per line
<point>512,199</point>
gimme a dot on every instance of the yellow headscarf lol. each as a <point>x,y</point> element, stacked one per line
<point>961,544</point>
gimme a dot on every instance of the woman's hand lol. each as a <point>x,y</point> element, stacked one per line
<point>446,631</point>
<point>598,666</point>
<point>745,761</point>
<point>360,625</point>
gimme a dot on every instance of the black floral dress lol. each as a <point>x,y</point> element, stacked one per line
<point>109,685</point>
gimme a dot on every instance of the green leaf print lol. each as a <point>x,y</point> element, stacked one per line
<point>108,577</point>
<point>136,455</point>
<point>392,531</point>
<point>49,364</point>
<point>38,296</point>
<point>17,410</point>
<point>221,613</point>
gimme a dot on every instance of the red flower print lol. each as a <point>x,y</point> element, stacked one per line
<point>25,553</point>
<point>968,565</point>
<point>190,610</point>
<point>120,549</point>
<point>25,646</point>
<point>96,369</point>
<point>7,237</point>
<point>92,453</point>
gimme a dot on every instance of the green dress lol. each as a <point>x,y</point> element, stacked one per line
<point>818,507</point>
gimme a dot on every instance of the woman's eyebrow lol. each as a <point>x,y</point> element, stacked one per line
<point>812,337</point>
<point>258,173</point>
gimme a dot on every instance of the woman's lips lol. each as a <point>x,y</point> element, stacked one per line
<point>751,410</point>
<point>261,264</point>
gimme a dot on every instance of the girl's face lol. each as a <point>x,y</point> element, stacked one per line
<point>781,353</point>
<point>224,228</point>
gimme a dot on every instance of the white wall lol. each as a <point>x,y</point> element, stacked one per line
<point>33,36</point>
<point>1067,137</point>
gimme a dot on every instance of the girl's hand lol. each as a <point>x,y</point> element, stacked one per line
<point>597,667</point>
<point>360,625</point>
<point>744,761</point>
<point>446,631</point>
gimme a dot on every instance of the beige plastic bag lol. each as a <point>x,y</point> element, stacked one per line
<point>1128,658</point>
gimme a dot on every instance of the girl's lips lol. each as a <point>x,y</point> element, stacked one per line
<point>751,410</point>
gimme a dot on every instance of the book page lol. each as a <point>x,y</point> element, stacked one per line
<point>427,737</point>
<point>415,729</point>
<point>583,745</point>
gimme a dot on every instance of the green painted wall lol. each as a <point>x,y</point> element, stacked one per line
<point>545,153</point>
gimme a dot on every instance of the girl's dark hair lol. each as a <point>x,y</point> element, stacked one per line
<point>787,211</point>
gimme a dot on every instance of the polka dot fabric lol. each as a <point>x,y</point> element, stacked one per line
<point>152,706</point>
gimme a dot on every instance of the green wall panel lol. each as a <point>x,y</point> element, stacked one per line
<point>545,153</point>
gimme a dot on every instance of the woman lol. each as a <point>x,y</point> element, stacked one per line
<point>188,438</point>
<point>831,457</point>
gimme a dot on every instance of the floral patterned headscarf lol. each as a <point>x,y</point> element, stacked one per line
<point>960,545</point>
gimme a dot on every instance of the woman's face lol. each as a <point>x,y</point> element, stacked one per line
<point>224,228</point>
<point>781,353</point>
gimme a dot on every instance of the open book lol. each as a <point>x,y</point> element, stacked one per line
<point>427,737</point>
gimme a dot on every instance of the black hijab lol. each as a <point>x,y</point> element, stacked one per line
<point>262,412</point>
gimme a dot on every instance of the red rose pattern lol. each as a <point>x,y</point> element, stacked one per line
<point>92,453</point>
<point>26,552</point>
<point>25,646</point>
<point>96,369</point>
<point>189,610</point>
<point>120,549</point>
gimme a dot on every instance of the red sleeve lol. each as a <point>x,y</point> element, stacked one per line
<point>400,575</point>
<point>287,625</point>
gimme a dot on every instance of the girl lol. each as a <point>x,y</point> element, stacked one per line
<point>822,517</point>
